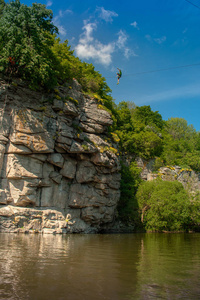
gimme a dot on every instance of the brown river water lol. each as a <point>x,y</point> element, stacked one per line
<point>100,266</point>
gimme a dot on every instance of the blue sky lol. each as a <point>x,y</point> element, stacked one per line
<point>139,37</point>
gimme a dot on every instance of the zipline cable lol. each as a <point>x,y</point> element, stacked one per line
<point>158,70</point>
<point>192,4</point>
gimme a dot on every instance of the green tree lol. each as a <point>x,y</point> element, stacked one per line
<point>2,6</point>
<point>164,205</point>
<point>145,115</point>
<point>138,130</point>
<point>195,214</point>
<point>178,128</point>
<point>128,206</point>
<point>124,121</point>
<point>68,66</point>
<point>26,37</point>
<point>180,144</point>
<point>145,144</point>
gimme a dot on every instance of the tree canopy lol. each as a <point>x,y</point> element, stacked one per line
<point>2,5</point>
<point>139,130</point>
<point>165,206</point>
<point>31,50</point>
<point>144,133</point>
<point>25,41</point>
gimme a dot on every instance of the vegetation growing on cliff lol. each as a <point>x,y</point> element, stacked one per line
<point>143,133</point>
<point>128,205</point>
<point>26,38</point>
<point>29,38</point>
<point>139,130</point>
<point>31,50</point>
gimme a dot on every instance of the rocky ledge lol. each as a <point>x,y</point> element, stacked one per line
<point>59,172</point>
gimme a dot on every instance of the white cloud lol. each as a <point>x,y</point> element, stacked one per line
<point>106,15</point>
<point>57,20</point>
<point>122,38</point>
<point>148,37</point>
<point>113,69</point>
<point>90,48</point>
<point>99,52</point>
<point>61,30</point>
<point>160,40</point>
<point>49,3</point>
<point>135,25</point>
<point>128,53</point>
<point>121,44</point>
<point>88,29</point>
<point>157,40</point>
<point>62,13</point>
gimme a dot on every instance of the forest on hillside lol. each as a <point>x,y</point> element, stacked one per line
<point>30,49</point>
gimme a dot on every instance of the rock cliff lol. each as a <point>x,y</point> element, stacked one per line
<point>58,172</point>
<point>189,178</point>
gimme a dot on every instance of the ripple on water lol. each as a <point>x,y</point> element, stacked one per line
<point>129,266</point>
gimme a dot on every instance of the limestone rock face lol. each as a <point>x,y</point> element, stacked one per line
<point>58,173</point>
<point>189,178</point>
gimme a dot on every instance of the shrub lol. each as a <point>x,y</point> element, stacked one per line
<point>164,205</point>
<point>128,206</point>
<point>26,36</point>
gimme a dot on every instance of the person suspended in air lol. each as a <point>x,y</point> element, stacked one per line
<point>119,75</point>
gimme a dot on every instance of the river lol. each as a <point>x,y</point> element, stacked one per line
<point>96,267</point>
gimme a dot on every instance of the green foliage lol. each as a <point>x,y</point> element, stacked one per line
<point>143,133</point>
<point>165,206</point>
<point>195,214</point>
<point>180,144</point>
<point>127,206</point>
<point>124,121</point>
<point>26,37</point>
<point>139,134</point>
<point>68,66</point>
<point>64,60</point>
<point>145,144</point>
<point>2,6</point>
<point>30,50</point>
<point>192,160</point>
<point>179,129</point>
<point>144,114</point>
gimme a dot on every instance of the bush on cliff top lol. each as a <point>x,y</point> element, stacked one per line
<point>30,49</point>
<point>26,37</point>
<point>143,133</point>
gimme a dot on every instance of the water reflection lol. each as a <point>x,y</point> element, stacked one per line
<point>133,266</point>
<point>169,267</point>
